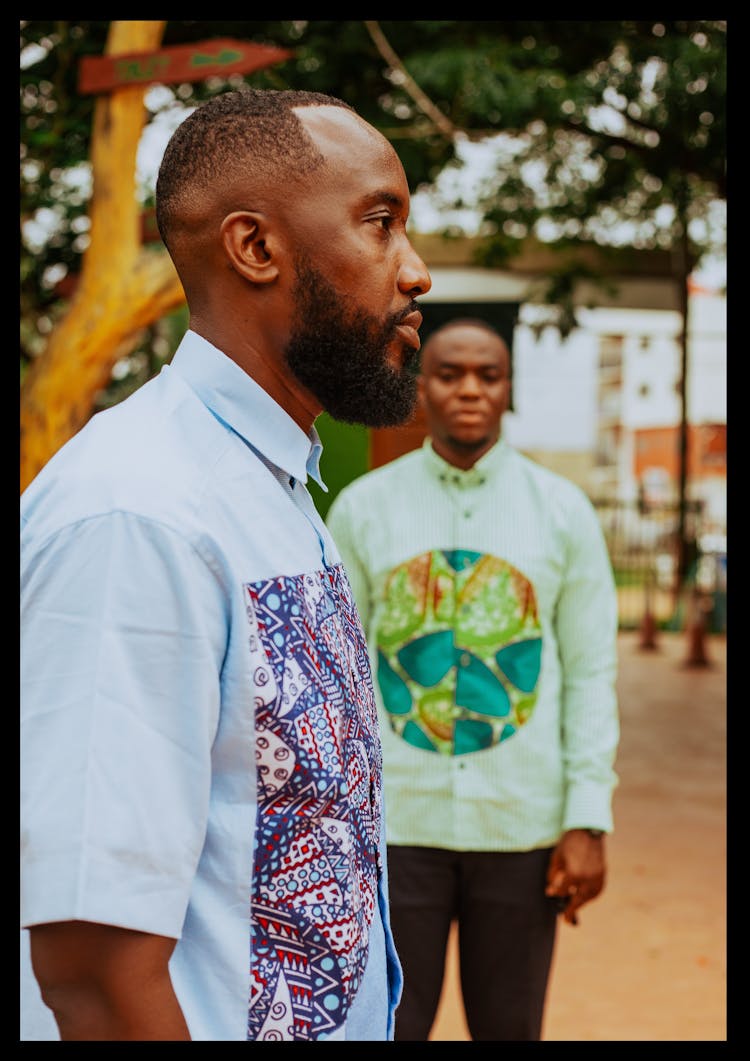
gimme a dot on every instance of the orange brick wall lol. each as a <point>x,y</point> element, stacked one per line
<point>657,447</point>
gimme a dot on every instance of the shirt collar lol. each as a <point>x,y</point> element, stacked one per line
<point>477,475</point>
<point>239,401</point>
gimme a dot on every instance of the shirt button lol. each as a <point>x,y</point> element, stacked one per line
<point>465,659</point>
<point>467,514</point>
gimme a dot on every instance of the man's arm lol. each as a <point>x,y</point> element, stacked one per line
<point>107,984</point>
<point>586,623</point>
<point>122,637</point>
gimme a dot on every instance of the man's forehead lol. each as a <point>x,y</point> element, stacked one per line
<point>463,344</point>
<point>342,136</point>
<point>331,126</point>
<point>361,168</point>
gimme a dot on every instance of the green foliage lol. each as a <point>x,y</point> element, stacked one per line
<point>55,135</point>
<point>658,164</point>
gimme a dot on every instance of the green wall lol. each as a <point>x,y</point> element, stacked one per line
<point>345,457</point>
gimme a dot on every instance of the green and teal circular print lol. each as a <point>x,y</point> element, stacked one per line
<point>459,651</point>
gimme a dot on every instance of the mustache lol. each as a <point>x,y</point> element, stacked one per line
<point>407,312</point>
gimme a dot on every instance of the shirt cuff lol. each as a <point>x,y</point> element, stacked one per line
<point>588,807</point>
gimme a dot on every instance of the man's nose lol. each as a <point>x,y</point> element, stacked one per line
<point>470,385</point>
<point>413,275</point>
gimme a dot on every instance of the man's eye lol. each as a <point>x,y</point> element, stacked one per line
<point>383,221</point>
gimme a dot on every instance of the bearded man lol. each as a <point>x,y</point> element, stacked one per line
<point>203,846</point>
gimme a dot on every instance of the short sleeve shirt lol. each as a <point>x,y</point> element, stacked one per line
<point>200,748</point>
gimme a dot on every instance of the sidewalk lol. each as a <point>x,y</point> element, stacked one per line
<point>647,963</point>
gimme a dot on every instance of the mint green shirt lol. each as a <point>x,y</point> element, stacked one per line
<point>490,611</point>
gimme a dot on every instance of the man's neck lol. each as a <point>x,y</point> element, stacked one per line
<point>459,455</point>
<point>268,372</point>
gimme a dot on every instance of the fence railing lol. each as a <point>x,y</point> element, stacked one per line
<point>643,543</point>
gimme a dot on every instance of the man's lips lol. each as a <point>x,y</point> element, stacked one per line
<point>468,417</point>
<point>407,329</point>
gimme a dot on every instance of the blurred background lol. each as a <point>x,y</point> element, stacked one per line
<point>568,184</point>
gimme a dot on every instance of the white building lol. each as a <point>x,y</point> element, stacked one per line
<point>585,404</point>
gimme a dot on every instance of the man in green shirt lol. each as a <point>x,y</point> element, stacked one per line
<point>486,592</point>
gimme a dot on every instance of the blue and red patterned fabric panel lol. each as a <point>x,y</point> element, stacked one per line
<point>318,762</point>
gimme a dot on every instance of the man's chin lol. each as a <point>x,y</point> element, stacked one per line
<point>390,416</point>
<point>401,357</point>
<point>468,441</point>
<point>385,409</point>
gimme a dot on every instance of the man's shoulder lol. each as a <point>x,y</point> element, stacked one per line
<point>551,480</point>
<point>145,456</point>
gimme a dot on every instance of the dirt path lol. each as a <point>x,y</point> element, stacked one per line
<point>647,962</point>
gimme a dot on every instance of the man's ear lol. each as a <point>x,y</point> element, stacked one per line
<point>250,246</point>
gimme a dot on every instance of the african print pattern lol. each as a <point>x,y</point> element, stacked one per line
<point>319,797</point>
<point>459,651</point>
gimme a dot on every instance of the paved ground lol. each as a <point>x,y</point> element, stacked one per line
<point>647,963</point>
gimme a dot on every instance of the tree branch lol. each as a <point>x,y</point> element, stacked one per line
<point>424,103</point>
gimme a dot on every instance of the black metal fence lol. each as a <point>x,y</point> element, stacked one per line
<point>643,542</point>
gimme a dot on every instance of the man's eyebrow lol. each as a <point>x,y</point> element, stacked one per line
<point>446,362</point>
<point>387,197</point>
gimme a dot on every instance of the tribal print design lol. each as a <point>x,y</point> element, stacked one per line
<point>459,651</point>
<point>318,761</point>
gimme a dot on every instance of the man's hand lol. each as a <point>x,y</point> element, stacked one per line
<point>104,983</point>
<point>577,871</point>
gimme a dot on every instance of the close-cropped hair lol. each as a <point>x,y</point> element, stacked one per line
<point>255,129</point>
<point>465,322</point>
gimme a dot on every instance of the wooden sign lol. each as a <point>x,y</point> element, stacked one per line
<point>183,62</point>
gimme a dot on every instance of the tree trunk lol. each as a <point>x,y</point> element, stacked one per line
<point>683,268</point>
<point>123,287</point>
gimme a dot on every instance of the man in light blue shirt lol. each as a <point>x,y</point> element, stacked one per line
<point>203,828</point>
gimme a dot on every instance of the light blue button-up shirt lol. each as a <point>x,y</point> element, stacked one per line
<point>200,748</point>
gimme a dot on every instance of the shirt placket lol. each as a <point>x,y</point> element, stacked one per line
<point>461,489</point>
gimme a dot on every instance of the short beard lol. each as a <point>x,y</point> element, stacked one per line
<point>340,356</point>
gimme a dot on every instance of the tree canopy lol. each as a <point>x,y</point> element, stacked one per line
<point>609,132</point>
